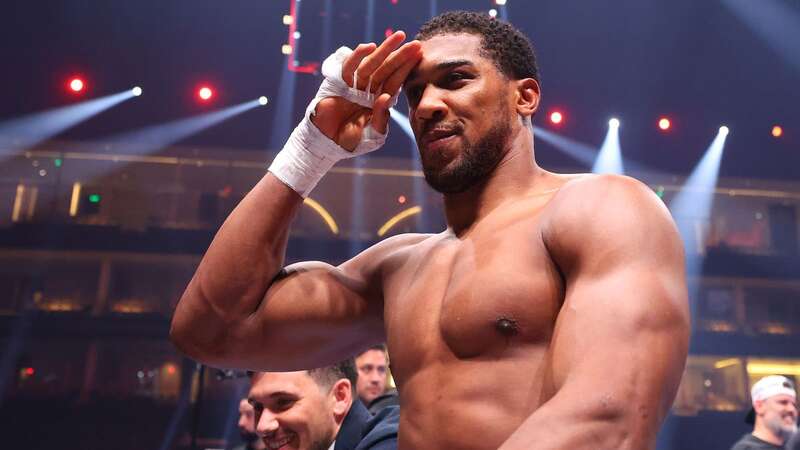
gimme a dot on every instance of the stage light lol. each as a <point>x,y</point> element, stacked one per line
<point>723,130</point>
<point>263,100</point>
<point>401,199</point>
<point>136,91</point>
<point>613,123</point>
<point>556,117</point>
<point>205,93</point>
<point>777,131</point>
<point>76,85</point>
<point>493,12</point>
<point>500,2</point>
<point>296,35</point>
<point>286,49</point>
<point>664,124</point>
<point>288,20</point>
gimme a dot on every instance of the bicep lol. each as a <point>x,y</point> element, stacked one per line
<point>621,337</point>
<point>313,314</point>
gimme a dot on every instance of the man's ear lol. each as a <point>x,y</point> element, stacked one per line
<point>758,406</point>
<point>342,392</point>
<point>527,97</point>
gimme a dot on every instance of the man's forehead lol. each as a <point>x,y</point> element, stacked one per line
<point>445,50</point>
<point>267,384</point>
<point>371,357</point>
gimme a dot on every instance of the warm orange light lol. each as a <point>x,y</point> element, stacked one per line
<point>664,124</point>
<point>556,117</point>
<point>777,131</point>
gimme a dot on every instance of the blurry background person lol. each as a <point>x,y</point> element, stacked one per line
<point>372,367</point>
<point>774,415</point>
<point>247,428</point>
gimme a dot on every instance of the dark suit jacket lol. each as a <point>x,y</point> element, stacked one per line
<point>362,431</point>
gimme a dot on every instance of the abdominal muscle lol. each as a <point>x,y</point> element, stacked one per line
<point>474,404</point>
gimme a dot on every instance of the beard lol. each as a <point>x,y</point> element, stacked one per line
<point>776,425</point>
<point>476,162</point>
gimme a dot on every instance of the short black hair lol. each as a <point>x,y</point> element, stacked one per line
<point>378,347</point>
<point>509,49</point>
<point>327,376</point>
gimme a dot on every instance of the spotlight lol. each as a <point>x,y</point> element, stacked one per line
<point>664,124</point>
<point>296,35</point>
<point>205,93</point>
<point>263,100</point>
<point>723,130</point>
<point>493,12</point>
<point>777,131</point>
<point>613,123</point>
<point>500,2</point>
<point>136,91</point>
<point>288,20</point>
<point>286,49</point>
<point>76,85</point>
<point>556,117</point>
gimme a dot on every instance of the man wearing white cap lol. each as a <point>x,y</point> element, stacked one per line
<point>774,414</point>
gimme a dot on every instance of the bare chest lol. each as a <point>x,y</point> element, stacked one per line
<point>487,296</point>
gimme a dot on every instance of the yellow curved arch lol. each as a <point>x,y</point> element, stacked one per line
<point>326,216</point>
<point>397,218</point>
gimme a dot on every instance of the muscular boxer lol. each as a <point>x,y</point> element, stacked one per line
<point>550,314</point>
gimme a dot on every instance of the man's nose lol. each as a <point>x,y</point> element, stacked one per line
<point>267,423</point>
<point>431,104</point>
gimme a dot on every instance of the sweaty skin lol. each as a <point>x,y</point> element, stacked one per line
<point>550,314</point>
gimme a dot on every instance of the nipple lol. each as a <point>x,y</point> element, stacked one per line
<point>506,327</point>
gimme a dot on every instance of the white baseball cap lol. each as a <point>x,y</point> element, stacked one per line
<point>767,387</point>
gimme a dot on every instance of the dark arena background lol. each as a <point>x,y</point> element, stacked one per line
<point>129,129</point>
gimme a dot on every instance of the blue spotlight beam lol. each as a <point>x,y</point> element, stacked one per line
<point>156,137</point>
<point>26,132</point>
<point>694,200</point>
<point>419,189</point>
<point>774,21</point>
<point>579,151</point>
<point>283,118</point>
<point>609,159</point>
<point>693,204</point>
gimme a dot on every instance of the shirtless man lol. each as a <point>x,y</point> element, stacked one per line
<point>550,314</point>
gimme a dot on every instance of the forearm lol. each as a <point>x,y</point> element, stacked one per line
<point>236,271</point>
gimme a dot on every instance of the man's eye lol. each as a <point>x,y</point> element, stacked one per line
<point>456,76</point>
<point>284,403</point>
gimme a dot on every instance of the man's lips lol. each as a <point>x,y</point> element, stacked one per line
<point>437,134</point>
<point>273,443</point>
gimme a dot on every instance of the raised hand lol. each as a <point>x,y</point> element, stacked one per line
<point>388,65</point>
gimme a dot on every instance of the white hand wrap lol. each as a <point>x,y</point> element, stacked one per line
<point>308,154</point>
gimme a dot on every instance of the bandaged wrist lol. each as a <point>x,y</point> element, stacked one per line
<point>308,154</point>
<point>306,157</point>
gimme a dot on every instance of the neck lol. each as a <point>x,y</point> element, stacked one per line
<point>514,176</point>
<point>763,432</point>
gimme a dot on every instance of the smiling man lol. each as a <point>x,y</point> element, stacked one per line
<point>317,410</point>
<point>550,314</point>
<point>773,416</point>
